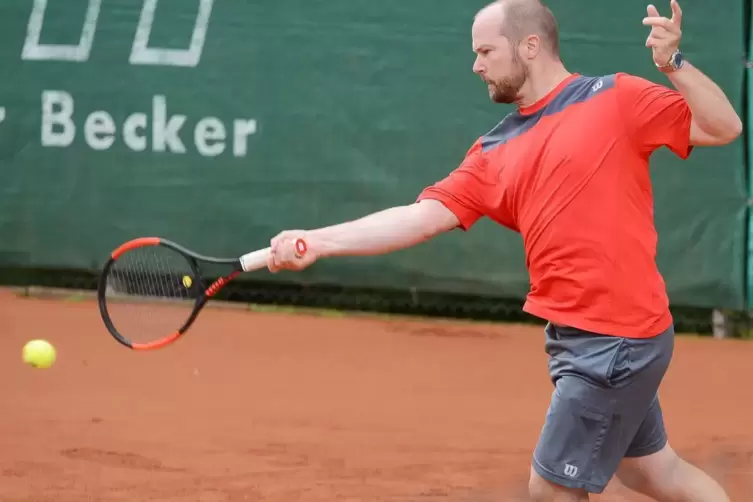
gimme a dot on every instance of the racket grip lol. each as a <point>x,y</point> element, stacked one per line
<point>258,259</point>
<point>255,260</point>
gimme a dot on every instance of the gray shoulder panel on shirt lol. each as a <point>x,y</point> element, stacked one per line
<point>578,91</point>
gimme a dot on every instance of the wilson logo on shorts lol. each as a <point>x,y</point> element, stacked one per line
<point>571,470</point>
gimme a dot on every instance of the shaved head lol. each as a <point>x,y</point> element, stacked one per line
<point>521,18</point>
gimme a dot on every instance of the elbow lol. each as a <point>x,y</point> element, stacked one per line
<point>732,130</point>
<point>722,132</point>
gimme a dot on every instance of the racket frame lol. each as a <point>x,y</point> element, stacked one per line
<point>250,261</point>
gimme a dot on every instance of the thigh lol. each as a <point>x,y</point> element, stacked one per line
<point>651,435</point>
<point>604,390</point>
<point>576,446</point>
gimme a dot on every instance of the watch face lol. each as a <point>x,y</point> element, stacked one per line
<point>677,59</point>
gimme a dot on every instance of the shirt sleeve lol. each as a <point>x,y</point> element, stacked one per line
<point>655,115</point>
<point>462,190</point>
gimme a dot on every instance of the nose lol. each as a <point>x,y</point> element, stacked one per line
<point>478,67</point>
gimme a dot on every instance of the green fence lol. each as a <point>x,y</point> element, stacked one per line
<point>219,123</point>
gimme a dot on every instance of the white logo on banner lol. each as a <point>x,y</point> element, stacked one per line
<point>141,53</point>
<point>153,128</point>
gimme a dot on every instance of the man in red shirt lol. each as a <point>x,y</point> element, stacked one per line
<point>569,170</point>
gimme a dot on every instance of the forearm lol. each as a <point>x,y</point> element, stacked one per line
<point>378,233</point>
<point>711,109</point>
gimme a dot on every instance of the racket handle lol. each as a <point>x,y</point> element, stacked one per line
<point>258,259</point>
<point>255,260</point>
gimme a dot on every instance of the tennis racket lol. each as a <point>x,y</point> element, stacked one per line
<point>151,290</point>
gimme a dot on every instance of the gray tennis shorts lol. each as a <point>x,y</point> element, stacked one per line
<point>605,405</point>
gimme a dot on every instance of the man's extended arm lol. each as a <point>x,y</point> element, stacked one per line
<point>385,231</point>
<point>378,233</point>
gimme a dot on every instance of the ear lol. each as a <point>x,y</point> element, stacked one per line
<point>531,46</point>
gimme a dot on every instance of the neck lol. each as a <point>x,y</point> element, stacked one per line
<point>542,80</point>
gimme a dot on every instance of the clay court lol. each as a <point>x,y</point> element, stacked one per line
<point>282,408</point>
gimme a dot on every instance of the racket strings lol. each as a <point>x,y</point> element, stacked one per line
<point>150,293</point>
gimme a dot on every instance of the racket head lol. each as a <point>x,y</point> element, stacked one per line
<point>150,292</point>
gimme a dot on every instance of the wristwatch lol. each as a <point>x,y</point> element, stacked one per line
<point>676,61</point>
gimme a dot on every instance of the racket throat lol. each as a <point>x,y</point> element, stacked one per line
<point>219,283</point>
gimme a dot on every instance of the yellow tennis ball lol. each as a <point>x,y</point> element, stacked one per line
<point>39,354</point>
<point>187,281</point>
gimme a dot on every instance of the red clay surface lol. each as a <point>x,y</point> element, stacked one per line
<point>282,408</point>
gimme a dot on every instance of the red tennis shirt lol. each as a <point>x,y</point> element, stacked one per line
<point>571,174</point>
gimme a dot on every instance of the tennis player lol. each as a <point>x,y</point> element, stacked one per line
<point>569,170</point>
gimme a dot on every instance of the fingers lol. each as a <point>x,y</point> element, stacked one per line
<point>661,35</point>
<point>660,22</point>
<point>285,253</point>
<point>657,21</point>
<point>278,239</point>
<point>676,11</point>
<point>271,265</point>
<point>657,37</point>
<point>665,33</point>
